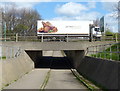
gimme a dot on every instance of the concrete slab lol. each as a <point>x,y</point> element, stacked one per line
<point>53,53</point>
<point>58,54</point>
<point>47,53</point>
<point>54,46</point>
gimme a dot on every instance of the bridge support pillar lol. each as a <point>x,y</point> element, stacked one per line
<point>75,57</point>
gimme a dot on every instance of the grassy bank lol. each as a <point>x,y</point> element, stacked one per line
<point>4,57</point>
<point>112,53</point>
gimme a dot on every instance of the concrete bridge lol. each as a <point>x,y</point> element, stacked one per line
<point>54,45</point>
<point>58,58</point>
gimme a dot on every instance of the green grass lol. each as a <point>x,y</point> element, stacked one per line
<point>4,57</point>
<point>88,84</point>
<point>107,55</point>
<point>42,88</point>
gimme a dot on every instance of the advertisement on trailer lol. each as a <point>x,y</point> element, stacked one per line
<point>63,27</point>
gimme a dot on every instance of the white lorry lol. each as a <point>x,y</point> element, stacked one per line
<point>61,30</point>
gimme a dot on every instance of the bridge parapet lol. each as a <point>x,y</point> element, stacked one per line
<point>55,46</point>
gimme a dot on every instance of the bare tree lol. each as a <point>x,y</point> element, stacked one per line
<point>22,21</point>
<point>119,17</point>
<point>29,18</point>
<point>117,9</point>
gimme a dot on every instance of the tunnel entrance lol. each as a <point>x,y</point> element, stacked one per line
<point>53,63</point>
<point>50,59</point>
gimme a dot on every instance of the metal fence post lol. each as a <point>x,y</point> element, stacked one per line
<point>42,38</point>
<point>104,52</point>
<point>118,52</point>
<point>110,52</point>
<point>100,51</point>
<point>116,37</point>
<point>91,35</point>
<point>96,51</point>
<point>16,37</point>
<point>67,37</point>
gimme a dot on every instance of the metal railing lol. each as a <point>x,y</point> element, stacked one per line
<point>107,51</point>
<point>46,37</point>
<point>7,52</point>
<point>54,37</point>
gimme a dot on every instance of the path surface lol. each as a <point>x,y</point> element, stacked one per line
<point>63,79</point>
<point>60,76</point>
<point>32,80</point>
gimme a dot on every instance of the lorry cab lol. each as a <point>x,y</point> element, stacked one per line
<point>97,29</point>
<point>97,33</point>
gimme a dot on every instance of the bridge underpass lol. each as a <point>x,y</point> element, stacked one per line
<point>61,73</point>
<point>60,76</point>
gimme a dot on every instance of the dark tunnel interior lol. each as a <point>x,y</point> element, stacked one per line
<point>49,61</point>
<point>53,63</point>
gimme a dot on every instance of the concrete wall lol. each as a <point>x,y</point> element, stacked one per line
<point>14,68</point>
<point>34,55</point>
<point>0,74</point>
<point>54,46</point>
<point>103,72</point>
<point>75,56</point>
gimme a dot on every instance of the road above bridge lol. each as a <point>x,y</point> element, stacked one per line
<point>82,45</point>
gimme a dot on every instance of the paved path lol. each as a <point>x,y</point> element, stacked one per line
<point>54,53</point>
<point>60,75</point>
<point>47,53</point>
<point>32,80</point>
<point>63,79</point>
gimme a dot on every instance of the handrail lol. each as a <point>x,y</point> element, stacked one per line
<point>106,51</point>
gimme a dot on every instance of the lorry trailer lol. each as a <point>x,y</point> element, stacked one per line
<point>61,30</point>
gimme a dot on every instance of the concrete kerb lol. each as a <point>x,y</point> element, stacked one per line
<point>85,82</point>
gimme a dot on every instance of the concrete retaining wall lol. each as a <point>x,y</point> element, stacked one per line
<point>34,55</point>
<point>103,72</point>
<point>14,68</point>
<point>75,56</point>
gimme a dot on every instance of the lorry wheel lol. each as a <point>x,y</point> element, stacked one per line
<point>98,39</point>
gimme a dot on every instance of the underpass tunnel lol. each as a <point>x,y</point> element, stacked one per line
<point>49,59</point>
<point>55,59</point>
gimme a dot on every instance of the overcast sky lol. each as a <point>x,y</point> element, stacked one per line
<point>72,10</point>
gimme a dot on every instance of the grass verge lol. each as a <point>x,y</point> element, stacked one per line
<point>4,57</point>
<point>106,54</point>
<point>45,81</point>
<point>88,84</point>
